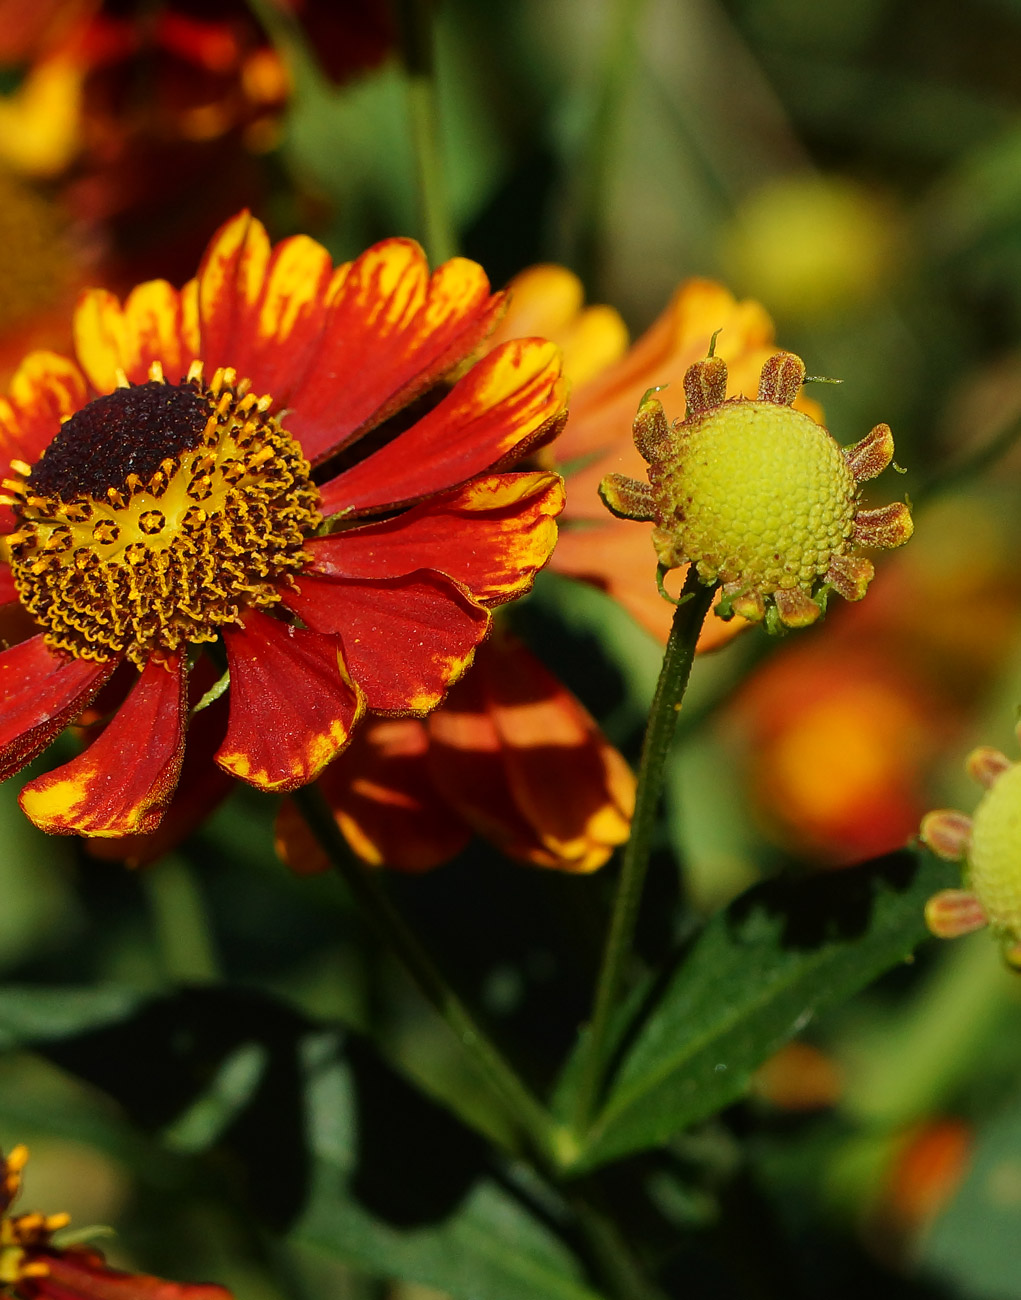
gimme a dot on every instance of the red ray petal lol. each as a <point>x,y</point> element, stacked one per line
<point>277,334</point>
<point>492,535</point>
<point>201,788</point>
<point>385,804</point>
<point>123,782</point>
<point>405,639</point>
<point>292,703</point>
<point>391,332</point>
<point>156,323</point>
<point>513,397</point>
<point>41,694</point>
<point>520,758</point>
<point>80,1274</point>
<point>45,389</point>
<point>230,281</point>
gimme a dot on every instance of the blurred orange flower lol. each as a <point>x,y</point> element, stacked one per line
<point>836,742</point>
<point>133,105</point>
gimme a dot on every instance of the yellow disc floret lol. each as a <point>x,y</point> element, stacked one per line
<point>758,496</point>
<point>157,514</point>
<point>993,870</point>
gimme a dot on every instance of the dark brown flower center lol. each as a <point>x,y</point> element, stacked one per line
<point>157,515</point>
<point>100,445</point>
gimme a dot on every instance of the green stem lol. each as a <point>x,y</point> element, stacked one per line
<point>537,1126</point>
<point>181,922</point>
<point>595,168</point>
<point>612,1254</point>
<point>659,733</point>
<point>415,19</point>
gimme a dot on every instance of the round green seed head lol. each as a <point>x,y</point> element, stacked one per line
<point>758,494</point>
<point>994,856</point>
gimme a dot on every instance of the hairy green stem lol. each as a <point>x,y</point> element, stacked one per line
<point>538,1129</point>
<point>612,1254</point>
<point>659,733</point>
<point>415,18</point>
<point>617,62</point>
<point>181,922</point>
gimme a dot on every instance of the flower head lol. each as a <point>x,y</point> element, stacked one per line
<point>221,467</point>
<point>989,846</point>
<point>34,1267</point>
<point>758,496</point>
<point>608,378</point>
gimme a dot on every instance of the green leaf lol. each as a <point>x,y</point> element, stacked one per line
<point>754,977</point>
<point>325,1137</point>
<point>486,1246</point>
<point>31,1016</point>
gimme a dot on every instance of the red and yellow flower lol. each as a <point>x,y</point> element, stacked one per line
<point>512,755</point>
<point>238,464</point>
<point>34,1267</point>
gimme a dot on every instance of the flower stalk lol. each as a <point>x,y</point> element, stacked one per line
<point>659,733</point>
<point>539,1130</point>
<point>417,43</point>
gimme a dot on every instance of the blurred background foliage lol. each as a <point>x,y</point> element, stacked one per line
<point>857,167</point>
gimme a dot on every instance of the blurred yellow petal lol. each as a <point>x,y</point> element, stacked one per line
<point>39,123</point>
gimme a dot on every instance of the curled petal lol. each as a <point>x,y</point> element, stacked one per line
<point>41,693</point>
<point>406,640</point>
<point>947,833</point>
<point>292,703</point>
<point>513,397</point>
<point>986,764</point>
<point>385,804</point>
<point>651,430</point>
<point>867,459</point>
<point>526,766</point>
<point>119,786</point>
<point>954,912</point>
<point>885,528</point>
<point>782,377</point>
<point>627,498</point>
<point>850,575</point>
<point>705,384</point>
<point>748,605</point>
<point>796,608</point>
<point>492,535</point>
